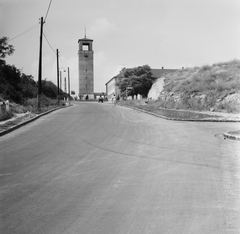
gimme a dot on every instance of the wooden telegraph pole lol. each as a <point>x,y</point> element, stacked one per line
<point>65,85</point>
<point>40,66</point>
<point>57,79</point>
<point>68,82</point>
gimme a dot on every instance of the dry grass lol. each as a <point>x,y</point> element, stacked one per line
<point>218,77</point>
<point>201,88</point>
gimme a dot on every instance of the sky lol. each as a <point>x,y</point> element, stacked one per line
<point>126,33</point>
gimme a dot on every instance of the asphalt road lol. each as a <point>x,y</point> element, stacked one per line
<point>95,168</point>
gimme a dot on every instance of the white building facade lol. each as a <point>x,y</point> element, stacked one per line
<point>112,88</point>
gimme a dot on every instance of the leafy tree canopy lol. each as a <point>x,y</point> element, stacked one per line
<point>139,78</point>
<point>15,85</point>
<point>5,49</point>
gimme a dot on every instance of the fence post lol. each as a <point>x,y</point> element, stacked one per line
<point>7,106</point>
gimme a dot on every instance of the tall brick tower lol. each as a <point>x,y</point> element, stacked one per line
<point>85,61</point>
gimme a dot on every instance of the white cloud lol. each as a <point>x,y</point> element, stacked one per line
<point>102,27</point>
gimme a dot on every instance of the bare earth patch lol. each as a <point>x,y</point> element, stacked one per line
<point>17,119</point>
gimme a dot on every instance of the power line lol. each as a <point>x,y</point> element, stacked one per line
<point>34,26</point>
<point>49,43</point>
<point>52,40</point>
<point>52,47</point>
<point>50,35</point>
<point>48,10</point>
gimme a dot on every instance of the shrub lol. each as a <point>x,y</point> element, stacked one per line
<point>228,107</point>
<point>205,68</point>
<point>5,115</point>
<point>210,99</point>
<point>169,87</point>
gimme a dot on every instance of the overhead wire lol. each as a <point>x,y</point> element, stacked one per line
<point>54,51</point>
<point>34,26</point>
<point>45,22</point>
<point>48,10</point>
<point>44,33</point>
<point>50,35</point>
<point>28,30</point>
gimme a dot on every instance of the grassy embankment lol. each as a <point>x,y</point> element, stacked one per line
<point>29,108</point>
<point>207,88</point>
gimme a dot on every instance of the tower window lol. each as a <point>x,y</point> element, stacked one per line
<point>85,47</point>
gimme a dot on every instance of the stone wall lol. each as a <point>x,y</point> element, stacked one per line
<point>156,89</point>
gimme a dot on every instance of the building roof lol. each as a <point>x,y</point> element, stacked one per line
<point>84,39</point>
<point>120,75</point>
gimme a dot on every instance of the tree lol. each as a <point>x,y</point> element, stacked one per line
<point>5,49</point>
<point>49,89</point>
<point>16,86</point>
<point>139,78</point>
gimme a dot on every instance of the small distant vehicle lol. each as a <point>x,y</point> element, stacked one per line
<point>100,99</point>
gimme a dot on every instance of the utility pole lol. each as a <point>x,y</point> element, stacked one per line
<point>60,87</point>
<point>65,85</point>
<point>57,79</point>
<point>40,66</point>
<point>68,82</point>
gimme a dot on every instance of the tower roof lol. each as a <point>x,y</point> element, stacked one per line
<point>84,39</point>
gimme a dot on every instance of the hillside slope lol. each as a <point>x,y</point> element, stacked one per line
<point>215,88</point>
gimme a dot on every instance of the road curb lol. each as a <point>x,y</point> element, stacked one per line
<point>230,135</point>
<point>178,119</point>
<point>4,132</point>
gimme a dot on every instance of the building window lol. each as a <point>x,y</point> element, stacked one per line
<point>85,47</point>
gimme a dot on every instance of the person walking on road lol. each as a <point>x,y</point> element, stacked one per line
<point>114,99</point>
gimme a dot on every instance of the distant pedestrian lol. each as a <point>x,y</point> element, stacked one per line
<point>100,99</point>
<point>114,100</point>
